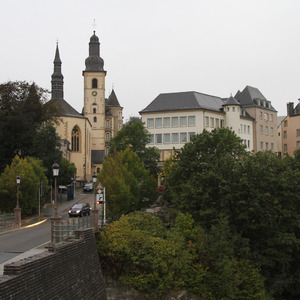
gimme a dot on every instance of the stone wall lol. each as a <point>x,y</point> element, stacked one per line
<point>69,270</point>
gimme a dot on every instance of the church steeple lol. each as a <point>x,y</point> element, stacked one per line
<point>57,82</point>
<point>94,62</point>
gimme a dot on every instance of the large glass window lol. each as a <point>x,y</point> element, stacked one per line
<point>151,139</point>
<point>76,139</point>
<point>206,121</point>
<point>159,138</point>
<point>150,123</point>
<point>191,134</point>
<point>175,138</point>
<point>166,122</point>
<point>191,121</point>
<point>183,137</point>
<point>217,123</point>
<point>182,121</point>
<point>212,122</point>
<point>167,138</point>
<point>158,123</point>
<point>174,121</point>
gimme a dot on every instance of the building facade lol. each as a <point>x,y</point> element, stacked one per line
<point>290,129</point>
<point>86,135</point>
<point>172,119</point>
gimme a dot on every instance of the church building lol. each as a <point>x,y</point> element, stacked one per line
<point>85,136</point>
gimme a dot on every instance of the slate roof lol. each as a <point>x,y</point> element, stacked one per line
<point>184,101</point>
<point>65,109</point>
<point>113,100</point>
<point>231,101</point>
<point>249,97</point>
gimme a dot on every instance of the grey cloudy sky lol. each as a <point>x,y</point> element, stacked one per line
<point>157,46</point>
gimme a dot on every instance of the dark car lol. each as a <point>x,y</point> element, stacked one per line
<point>88,187</point>
<point>79,210</point>
<point>62,188</point>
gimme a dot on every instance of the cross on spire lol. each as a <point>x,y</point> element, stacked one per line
<point>94,25</point>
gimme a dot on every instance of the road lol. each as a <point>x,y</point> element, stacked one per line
<point>19,241</point>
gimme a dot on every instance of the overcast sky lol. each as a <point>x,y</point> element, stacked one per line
<point>150,47</point>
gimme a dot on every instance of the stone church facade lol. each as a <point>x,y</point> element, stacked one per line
<point>85,136</point>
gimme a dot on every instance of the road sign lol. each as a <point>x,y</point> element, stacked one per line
<point>99,186</point>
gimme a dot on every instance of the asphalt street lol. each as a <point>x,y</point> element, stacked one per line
<point>31,238</point>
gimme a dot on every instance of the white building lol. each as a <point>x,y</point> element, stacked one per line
<point>173,118</point>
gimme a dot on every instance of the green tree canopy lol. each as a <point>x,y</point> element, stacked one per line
<point>129,186</point>
<point>32,174</point>
<point>135,135</point>
<point>22,112</point>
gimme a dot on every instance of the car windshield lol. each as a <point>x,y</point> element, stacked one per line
<point>77,206</point>
<point>88,184</point>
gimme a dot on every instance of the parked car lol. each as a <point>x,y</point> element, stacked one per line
<point>88,187</point>
<point>79,210</point>
<point>62,188</point>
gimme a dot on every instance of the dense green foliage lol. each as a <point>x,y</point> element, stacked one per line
<point>136,136</point>
<point>213,178</point>
<point>139,251</point>
<point>22,112</point>
<point>129,186</point>
<point>32,175</point>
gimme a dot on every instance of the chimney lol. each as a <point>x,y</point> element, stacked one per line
<point>290,109</point>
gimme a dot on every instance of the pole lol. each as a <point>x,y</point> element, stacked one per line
<point>104,207</point>
<point>40,200</point>
<point>55,205</point>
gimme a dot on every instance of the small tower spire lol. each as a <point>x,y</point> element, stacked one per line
<point>57,82</point>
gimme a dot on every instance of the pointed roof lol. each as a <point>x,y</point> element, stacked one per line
<point>184,100</point>
<point>231,101</point>
<point>112,99</point>
<point>64,109</point>
<point>57,78</point>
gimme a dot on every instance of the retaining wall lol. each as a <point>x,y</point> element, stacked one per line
<point>68,270</point>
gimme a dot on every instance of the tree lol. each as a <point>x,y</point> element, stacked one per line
<point>135,135</point>
<point>129,186</point>
<point>46,147</point>
<point>202,173</point>
<point>22,112</point>
<point>66,172</point>
<point>32,174</point>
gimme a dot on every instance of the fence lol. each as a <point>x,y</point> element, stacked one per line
<point>65,229</point>
<point>7,220</point>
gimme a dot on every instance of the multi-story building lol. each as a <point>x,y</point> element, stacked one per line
<point>87,135</point>
<point>265,116</point>
<point>290,129</point>
<point>173,118</point>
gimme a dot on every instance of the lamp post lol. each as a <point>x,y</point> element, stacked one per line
<point>18,181</point>
<point>17,209</point>
<point>94,188</point>
<point>55,169</point>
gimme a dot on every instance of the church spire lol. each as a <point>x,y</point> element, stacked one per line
<point>94,62</point>
<point>57,82</point>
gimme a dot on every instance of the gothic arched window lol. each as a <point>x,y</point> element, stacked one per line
<point>94,83</point>
<point>75,139</point>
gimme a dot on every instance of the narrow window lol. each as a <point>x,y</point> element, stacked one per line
<point>167,122</point>
<point>182,121</point>
<point>94,110</point>
<point>75,139</point>
<point>95,119</point>
<point>150,123</point>
<point>167,138</point>
<point>151,139</point>
<point>159,138</point>
<point>107,124</point>
<point>94,83</point>
<point>158,122</point>
<point>174,121</point>
<point>192,121</point>
<point>107,136</point>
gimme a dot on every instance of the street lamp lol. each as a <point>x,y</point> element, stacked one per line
<point>18,180</point>
<point>55,169</point>
<point>94,182</point>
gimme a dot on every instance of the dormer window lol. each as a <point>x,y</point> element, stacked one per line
<point>94,83</point>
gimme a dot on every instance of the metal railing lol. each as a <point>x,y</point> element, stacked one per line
<point>65,229</point>
<point>7,220</point>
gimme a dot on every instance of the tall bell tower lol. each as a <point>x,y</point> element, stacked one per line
<point>94,98</point>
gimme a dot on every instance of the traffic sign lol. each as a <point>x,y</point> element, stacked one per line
<point>99,186</point>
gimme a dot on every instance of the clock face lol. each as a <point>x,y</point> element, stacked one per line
<point>94,93</point>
